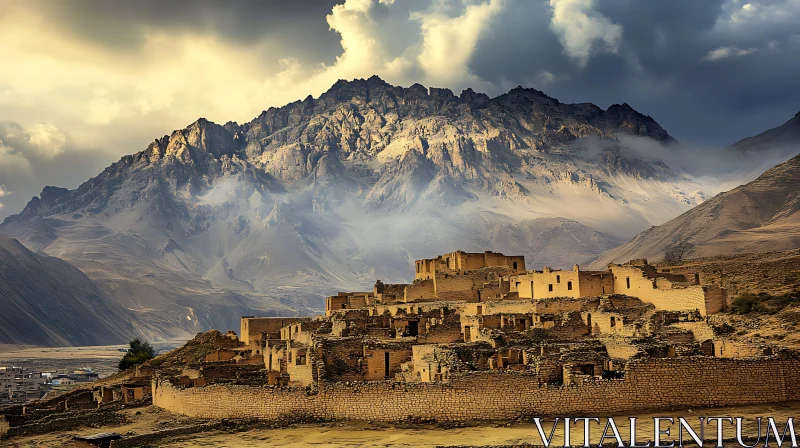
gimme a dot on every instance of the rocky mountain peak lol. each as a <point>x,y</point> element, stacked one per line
<point>470,96</point>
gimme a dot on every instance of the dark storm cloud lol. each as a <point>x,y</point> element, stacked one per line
<point>298,27</point>
<point>659,67</point>
<point>709,71</point>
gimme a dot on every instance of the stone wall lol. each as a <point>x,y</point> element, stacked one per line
<point>651,384</point>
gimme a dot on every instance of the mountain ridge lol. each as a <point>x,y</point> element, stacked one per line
<point>214,221</point>
<point>786,134</point>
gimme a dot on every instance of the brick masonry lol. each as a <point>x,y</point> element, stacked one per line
<point>648,385</point>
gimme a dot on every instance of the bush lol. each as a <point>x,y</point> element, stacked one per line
<point>763,303</point>
<point>138,352</point>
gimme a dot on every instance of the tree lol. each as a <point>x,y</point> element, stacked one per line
<point>138,352</point>
<point>675,253</point>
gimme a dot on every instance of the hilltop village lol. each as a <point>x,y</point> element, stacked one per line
<point>484,311</point>
<point>475,336</point>
<point>478,336</point>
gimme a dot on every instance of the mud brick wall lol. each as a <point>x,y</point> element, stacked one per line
<point>652,384</point>
<point>252,327</point>
<point>457,287</point>
<point>442,333</point>
<point>680,298</point>
<point>420,289</point>
<point>716,299</point>
<point>701,330</point>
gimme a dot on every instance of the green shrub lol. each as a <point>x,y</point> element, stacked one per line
<point>138,352</point>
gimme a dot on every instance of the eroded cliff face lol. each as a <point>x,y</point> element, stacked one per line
<point>213,221</point>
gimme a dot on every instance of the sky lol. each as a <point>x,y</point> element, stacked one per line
<point>84,82</point>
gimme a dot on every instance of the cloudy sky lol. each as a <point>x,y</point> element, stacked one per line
<point>83,82</point>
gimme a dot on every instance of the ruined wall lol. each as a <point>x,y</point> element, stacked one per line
<point>630,281</point>
<point>526,306</point>
<point>456,287</point>
<point>464,261</point>
<point>419,307</point>
<point>345,301</point>
<point>671,382</point>
<point>701,330</point>
<point>342,358</point>
<point>220,355</point>
<point>716,298</point>
<point>425,269</point>
<point>724,348</point>
<point>593,284</point>
<point>376,362</point>
<point>252,327</point>
<point>301,374</point>
<point>557,283</point>
<point>606,323</point>
<point>442,332</point>
<point>420,289</point>
<point>523,285</point>
<point>620,348</point>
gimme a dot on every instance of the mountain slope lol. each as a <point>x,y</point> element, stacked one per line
<point>46,301</point>
<point>761,216</point>
<point>787,134</point>
<point>267,217</point>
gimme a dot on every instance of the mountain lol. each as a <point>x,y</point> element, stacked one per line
<point>788,134</point>
<point>761,216</point>
<point>46,301</point>
<point>267,217</point>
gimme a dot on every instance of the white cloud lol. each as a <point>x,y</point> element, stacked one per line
<point>46,140</point>
<point>102,109</point>
<point>727,52</point>
<point>449,42</point>
<point>582,30</point>
<point>740,14</point>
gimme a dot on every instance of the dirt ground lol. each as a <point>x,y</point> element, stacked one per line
<point>150,419</point>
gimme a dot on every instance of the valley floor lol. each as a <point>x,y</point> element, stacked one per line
<point>103,359</point>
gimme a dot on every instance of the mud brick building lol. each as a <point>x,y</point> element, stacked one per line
<point>472,327</point>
